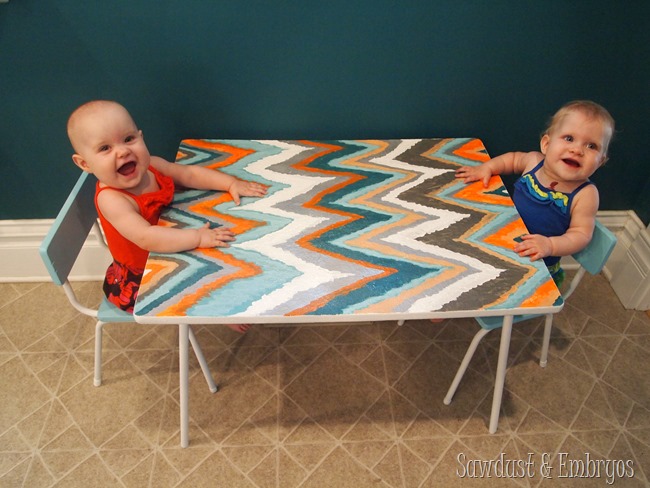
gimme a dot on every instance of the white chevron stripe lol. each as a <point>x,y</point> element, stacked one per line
<point>271,244</point>
<point>441,219</point>
<point>481,272</point>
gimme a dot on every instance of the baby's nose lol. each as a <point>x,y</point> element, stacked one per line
<point>577,148</point>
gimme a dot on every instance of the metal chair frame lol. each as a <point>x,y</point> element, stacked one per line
<point>592,259</point>
<point>59,251</point>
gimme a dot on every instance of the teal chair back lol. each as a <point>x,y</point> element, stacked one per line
<point>62,244</point>
<point>65,239</point>
<point>593,257</point>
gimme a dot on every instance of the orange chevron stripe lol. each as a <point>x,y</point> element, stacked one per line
<point>158,269</point>
<point>165,223</point>
<point>546,295</point>
<point>246,270</point>
<point>363,242</point>
<point>409,218</point>
<point>180,155</point>
<point>208,208</point>
<point>313,203</point>
<point>505,236</point>
<point>475,192</point>
<point>506,240</point>
<point>305,241</point>
<point>473,150</point>
<point>236,153</point>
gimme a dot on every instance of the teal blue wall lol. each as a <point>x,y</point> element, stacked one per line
<point>318,69</point>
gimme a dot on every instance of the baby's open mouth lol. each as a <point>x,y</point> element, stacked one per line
<point>571,162</point>
<point>127,168</point>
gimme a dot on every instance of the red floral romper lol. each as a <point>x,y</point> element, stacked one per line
<point>124,274</point>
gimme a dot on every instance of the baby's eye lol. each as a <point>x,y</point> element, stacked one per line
<point>568,138</point>
<point>592,145</point>
<point>129,138</point>
<point>104,148</point>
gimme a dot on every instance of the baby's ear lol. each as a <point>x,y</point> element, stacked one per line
<point>81,162</point>
<point>543,143</point>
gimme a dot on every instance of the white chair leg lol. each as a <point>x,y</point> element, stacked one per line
<point>506,332</point>
<point>548,325</point>
<point>97,380</point>
<point>464,364</point>
<point>202,361</point>
<point>183,371</point>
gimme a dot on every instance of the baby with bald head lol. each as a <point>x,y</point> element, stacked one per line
<point>132,189</point>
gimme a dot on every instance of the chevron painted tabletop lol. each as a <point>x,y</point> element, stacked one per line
<point>350,230</point>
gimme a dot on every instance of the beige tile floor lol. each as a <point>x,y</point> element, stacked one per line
<point>327,406</point>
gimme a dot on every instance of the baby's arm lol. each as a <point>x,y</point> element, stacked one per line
<point>576,238</point>
<point>201,178</point>
<point>123,214</point>
<point>508,163</point>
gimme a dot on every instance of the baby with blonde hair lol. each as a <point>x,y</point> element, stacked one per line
<point>554,196</point>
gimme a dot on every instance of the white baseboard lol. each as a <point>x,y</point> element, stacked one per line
<point>628,269</point>
<point>21,262</point>
<point>629,265</point>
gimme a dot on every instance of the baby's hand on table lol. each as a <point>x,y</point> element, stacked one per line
<point>242,188</point>
<point>534,246</point>
<point>475,173</point>
<point>218,237</point>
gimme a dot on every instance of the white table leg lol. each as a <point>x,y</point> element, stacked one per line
<point>202,362</point>
<point>183,372</point>
<point>500,379</point>
<point>97,381</point>
<point>548,325</point>
<point>464,365</point>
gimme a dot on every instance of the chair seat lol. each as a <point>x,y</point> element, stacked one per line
<point>109,313</point>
